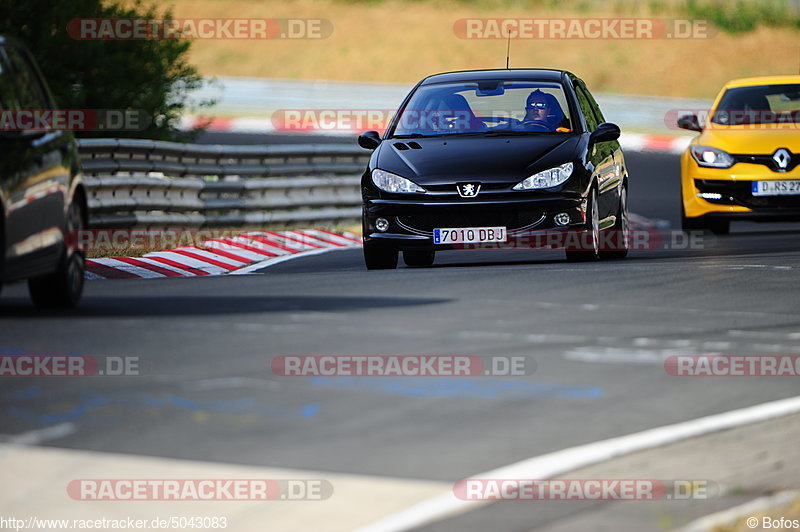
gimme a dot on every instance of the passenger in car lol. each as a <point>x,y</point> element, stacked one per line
<point>458,115</point>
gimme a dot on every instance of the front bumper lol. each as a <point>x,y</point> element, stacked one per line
<point>734,185</point>
<point>411,222</point>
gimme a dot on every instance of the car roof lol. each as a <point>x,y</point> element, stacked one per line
<point>539,74</point>
<point>763,80</point>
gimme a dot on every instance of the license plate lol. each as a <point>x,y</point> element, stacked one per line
<point>776,188</point>
<point>469,235</point>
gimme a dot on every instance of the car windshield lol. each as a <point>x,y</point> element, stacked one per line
<point>485,107</point>
<point>763,104</point>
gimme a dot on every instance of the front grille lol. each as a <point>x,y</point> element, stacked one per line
<point>451,187</point>
<point>740,192</point>
<point>768,161</point>
<point>426,223</point>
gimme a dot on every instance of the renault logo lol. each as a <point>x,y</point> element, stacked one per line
<point>782,157</point>
<point>468,190</point>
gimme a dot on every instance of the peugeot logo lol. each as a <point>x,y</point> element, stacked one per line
<point>782,158</point>
<point>468,190</point>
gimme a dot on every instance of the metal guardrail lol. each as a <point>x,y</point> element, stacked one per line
<point>146,183</point>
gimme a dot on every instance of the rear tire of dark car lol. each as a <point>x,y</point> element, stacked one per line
<point>588,247</point>
<point>418,259</point>
<point>621,238</point>
<point>379,257</point>
<point>63,288</point>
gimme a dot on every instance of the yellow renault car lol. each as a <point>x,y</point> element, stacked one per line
<point>745,164</point>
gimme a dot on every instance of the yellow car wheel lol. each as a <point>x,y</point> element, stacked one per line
<point>717,226</point>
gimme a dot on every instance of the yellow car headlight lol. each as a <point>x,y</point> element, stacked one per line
<point>710,157</point>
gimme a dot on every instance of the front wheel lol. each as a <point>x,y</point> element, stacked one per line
<point>588,246</point>
<point>715,226</point>
<point>379,257</point>
<point>63,288</point>
<point>621,239</point>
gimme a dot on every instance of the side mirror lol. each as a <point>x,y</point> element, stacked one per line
<point>689,122</point>
<point>369,140</point>
<point>605,132</point>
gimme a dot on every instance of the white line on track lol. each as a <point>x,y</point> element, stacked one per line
<point>35,437</point>
<point>277,260</point>
<point>559,462</point>
<point>148,260</point>
<point>228,383</point>
<point>213,256</point>
<point>622,355</point>
<point>189,261</point>
<point>138,271</point>
<point>771,335</point>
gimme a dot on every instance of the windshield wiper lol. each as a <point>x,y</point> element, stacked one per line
<point>514,133</point>
<point>414,136</point>
<point>488,133</point>
<point>420,135</point>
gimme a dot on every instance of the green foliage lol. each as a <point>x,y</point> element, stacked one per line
<point>151,76</point>
<point>744,15</point>
<point>732,16</point>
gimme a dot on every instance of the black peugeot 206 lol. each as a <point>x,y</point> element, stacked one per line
<point>485,158</point>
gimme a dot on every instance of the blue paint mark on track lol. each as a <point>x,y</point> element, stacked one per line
<point>88,403</point>
<point>456,387</point>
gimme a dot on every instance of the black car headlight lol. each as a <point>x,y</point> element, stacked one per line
<point>710,157</point>
<point>546,178</point>
<point>390,182</point>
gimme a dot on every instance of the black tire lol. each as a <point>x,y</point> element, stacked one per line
<point>63,288</point>
<point>716,226</point>
<point>621,231</point>
<point>379,257</point>
<point>418,259</point>
<point>719,227</point>
<point>591,250</point>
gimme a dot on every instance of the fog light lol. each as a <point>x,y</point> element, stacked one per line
<point>710,195</point>
<point>561,218</point>
<point>382,224</point>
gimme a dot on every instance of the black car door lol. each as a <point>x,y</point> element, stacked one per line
<point>613,181</point>
<point>35,178</point>
<point>601,155</point>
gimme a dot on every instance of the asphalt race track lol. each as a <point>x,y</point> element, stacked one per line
<point>598,334</point>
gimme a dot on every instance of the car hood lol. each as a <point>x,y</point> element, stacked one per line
<point>442,160</point>
<point>751,139</point>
